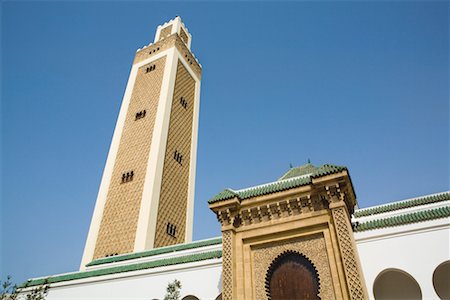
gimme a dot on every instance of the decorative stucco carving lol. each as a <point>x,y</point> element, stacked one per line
<point>313,247</point>
<point>347,248</point>
<point>227,266</point>
<point>282,208</point>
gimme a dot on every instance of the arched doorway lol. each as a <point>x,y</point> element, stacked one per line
<point>190,297</point>
<point>292,276</point>
<point>396,284</point>
<point>441,280</point>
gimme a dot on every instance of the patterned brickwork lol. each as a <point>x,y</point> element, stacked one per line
<point>188,57</point>
<point>173,40</point>
<point>165,32</point>
<point>347,248</point>
<point>184,36</point>
<point>154,49</point>
<point>175,180</point>
<point>119,222</point>
<point>227,266</point>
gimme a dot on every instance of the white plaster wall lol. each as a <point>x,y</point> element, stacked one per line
<point>416,249</point>
<point>201,280</point>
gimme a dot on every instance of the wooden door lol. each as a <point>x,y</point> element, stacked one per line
<point>293,278</point>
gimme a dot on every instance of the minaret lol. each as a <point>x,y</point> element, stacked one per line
<point>146,196</point>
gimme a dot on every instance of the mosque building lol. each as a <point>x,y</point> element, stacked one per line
<point>298,237</point>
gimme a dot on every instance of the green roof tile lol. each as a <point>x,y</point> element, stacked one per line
<point>327,169</point>
<point>284,183</point>
<point>126,268</point>
<point>402,205</point>
<point>421,216</point>
<point>299,171</point>
<point>162,250</point>
<point>223,195</point>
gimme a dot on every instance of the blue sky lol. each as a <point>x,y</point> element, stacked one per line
<point>361,84</point>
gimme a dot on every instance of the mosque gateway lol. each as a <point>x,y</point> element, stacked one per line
<point>300,236</point>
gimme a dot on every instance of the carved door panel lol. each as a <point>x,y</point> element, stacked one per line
<point>293,280</point>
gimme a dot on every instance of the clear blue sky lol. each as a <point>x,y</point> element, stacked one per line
<point>364,85</point>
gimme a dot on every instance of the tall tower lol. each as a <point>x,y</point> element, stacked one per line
<point>146,194</point>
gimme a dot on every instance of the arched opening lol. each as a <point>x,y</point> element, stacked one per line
<point>219,297</point>
<point>292,276</point>
<point>396,284</point>
<point>190,297</point>
<point>441,280</point>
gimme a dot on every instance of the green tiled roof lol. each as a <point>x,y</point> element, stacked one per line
<point>282,184</point>
<point>299,171</point>
<point>156,251</point>
<point>126,268</point>
<point>415,217</point>
<point>402,205</point>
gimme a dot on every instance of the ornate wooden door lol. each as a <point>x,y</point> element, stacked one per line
<point>292,277</point>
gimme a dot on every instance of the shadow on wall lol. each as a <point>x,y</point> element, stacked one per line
<point>396,284</point>
<point>441,280</point>
<point>219,287</point>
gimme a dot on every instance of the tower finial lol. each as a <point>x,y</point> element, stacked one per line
<point>171,27</point>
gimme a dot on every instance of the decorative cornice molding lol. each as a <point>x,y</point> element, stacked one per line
<point>236,214</point>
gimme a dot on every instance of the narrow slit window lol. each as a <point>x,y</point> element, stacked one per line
<point>178,157</point>
<point>171,229</point>
<point>150,68</point>
<point>140,114</point>
<point>127,176</point>
<point>183,102</point>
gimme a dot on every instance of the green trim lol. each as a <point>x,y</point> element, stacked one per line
<point>126,268</point>
<point>402,205</point>
<point>280,185</point>
<point>157,251</point>
<point>421,216</point>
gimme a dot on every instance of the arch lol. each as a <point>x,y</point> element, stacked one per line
<point>190,297</point>
<point>292,276</point>
<point>396,284</point>
<point>441,279</point>
<point>219,297</point>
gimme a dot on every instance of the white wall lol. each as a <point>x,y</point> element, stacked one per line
<point>202,280</point>
<point>416,249</point>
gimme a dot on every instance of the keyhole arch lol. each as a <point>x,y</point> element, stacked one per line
<point>291,275</point>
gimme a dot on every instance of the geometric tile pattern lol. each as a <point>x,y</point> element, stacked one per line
<point>172,205</point>
<point>165,32</point>
<point>154,49</point>
<point>188,56</point>
<point>170,41</point>
<point>120,216</point>
<point>227,266</point>
<point>184,36</point>
<point>351,269</point>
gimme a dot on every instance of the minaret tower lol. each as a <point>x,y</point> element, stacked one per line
<point>146,196</point>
